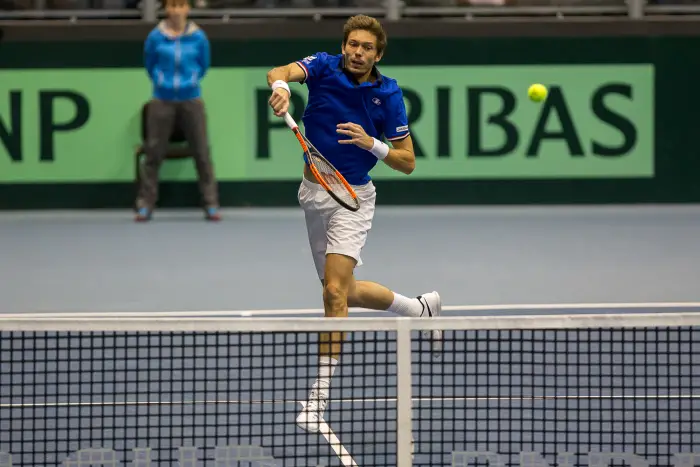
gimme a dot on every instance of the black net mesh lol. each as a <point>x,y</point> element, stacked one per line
<point>506,397</point>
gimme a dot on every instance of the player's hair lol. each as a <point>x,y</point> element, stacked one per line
<point>366,23</point>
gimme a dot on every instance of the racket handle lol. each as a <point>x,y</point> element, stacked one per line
<point>290,121</point>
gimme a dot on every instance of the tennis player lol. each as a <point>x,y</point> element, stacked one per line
<point>351,105</point>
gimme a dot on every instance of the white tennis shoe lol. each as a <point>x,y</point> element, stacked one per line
<point>432,307</point>
<point>311,416</point>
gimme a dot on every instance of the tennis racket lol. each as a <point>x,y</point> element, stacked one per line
<point>324,172</point>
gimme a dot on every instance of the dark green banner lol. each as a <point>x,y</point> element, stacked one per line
<point>618,125</point>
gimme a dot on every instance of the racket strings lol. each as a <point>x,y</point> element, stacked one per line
<point>330,177</point>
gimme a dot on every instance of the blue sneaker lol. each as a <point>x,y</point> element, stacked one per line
<point>143,215</point>
<point>213,214</point>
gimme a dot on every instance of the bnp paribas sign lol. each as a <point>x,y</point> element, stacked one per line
<point>255,456</point>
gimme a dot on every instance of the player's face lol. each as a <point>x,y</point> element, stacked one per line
<point>360,52</point>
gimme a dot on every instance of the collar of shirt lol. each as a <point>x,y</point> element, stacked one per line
<point>375,72</point>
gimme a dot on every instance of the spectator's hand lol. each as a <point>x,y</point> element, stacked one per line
<point>279,101</point>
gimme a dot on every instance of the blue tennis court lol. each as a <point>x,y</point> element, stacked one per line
<point>496,397</point>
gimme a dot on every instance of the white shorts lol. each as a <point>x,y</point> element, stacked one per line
<point>332,228</point>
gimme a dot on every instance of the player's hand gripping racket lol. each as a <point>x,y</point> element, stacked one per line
<point>324,172</point>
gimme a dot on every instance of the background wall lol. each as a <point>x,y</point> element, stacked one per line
<point>618,126</point>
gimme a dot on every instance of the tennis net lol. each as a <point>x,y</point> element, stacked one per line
<point>199,390</point>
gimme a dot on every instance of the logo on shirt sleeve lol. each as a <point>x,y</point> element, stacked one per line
<point>309,58</point>
<point>399,129</point>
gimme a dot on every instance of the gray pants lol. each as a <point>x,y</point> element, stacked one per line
<point>160,123</point>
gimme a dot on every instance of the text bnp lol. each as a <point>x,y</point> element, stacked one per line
<point>41,119</point>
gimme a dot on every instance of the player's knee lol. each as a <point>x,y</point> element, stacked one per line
<point>333,291</point>
<point>334,294</point>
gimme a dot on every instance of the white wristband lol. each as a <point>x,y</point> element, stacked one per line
<point>281,84</point>
<point>380,149</point>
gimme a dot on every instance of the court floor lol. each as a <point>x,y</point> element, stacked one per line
<point>483,261</point>
<point>258,259</point>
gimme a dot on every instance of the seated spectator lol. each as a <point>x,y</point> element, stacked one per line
<point>177,57</point>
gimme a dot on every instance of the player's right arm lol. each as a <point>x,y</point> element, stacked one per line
<point>307,71</point>
<point>277,79</point>
<point>292,73</point>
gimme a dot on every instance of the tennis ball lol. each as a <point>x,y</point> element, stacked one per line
<point>537,92</point>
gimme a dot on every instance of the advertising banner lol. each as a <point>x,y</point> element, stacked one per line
<point>468,122</point>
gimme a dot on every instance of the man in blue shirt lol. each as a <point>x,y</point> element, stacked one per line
<point>351,105</point>
<point>177,57</point>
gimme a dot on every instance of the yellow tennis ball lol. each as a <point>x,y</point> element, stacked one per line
<point>537,92</point>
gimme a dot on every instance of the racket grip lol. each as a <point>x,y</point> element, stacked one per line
<point>290,121</point>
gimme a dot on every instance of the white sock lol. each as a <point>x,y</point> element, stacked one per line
<point>405,306</point>
<point>326,368</point>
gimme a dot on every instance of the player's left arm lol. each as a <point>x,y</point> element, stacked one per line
<point>401,156</point>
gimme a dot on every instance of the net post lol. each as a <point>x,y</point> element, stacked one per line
<point>404,405</point>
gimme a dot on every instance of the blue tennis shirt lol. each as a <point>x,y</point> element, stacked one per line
<point>336,97</point>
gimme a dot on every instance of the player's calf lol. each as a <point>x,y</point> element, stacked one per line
<point>335,304</point>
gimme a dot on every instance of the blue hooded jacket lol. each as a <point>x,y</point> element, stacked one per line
<point>176,64</point>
